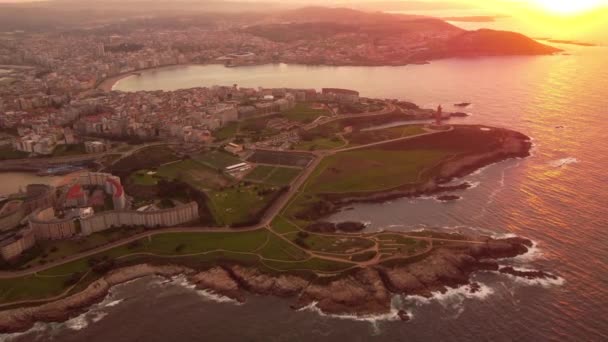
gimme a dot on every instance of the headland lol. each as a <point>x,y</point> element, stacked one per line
<point>284,252</point>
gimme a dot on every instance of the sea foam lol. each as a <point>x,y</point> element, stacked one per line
<point>544,282</point>
<point>563,162</point>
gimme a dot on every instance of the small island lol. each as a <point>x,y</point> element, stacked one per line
<point>254,221</point>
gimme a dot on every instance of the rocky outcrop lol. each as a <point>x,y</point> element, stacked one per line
<point>498,249</point>
<point>365,291</point>
<point>534,274</point>
<point>219,281</point>
<point>255,281</point>
<point>362,293</point>
<point>24,318</point>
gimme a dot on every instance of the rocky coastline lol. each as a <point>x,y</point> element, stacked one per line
<point>364,291</point>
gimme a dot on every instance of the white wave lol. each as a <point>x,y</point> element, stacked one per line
<point>544,282</point>
<point>77,323</point>
<point>448,201</point>
<point>113,303</point>
<point>453,299</point>
<point>473,185</point>
<point>500,236</point>
<point>36,330</point>
<point>534,147</point>
<point>457,294</point>
<point>182,281</point>
<point>480,170</point>
<point>563,162</point>
<point>98,316</point>
<point>214,297</point>
<point>93,315</point>
<point>392,315</point>
<point>533,253</point>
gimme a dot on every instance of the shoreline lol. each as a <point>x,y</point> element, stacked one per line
<point>363,292</point>
<point>108,84</point>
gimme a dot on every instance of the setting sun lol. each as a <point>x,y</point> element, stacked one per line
<point>568,7</point>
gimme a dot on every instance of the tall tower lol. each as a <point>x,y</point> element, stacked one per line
<point>439,115</point>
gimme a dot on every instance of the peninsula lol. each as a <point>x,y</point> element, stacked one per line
<point>261,230</point>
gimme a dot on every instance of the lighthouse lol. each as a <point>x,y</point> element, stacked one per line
<point>438,116</point>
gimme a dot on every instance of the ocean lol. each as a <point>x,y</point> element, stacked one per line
<point>556,197</point>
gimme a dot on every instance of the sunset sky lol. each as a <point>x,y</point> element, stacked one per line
<point>558,7</point>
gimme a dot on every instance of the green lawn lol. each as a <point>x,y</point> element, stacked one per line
<point>279,249</point>
<point>199,247</point>
<point>303,112</point>
<point>313,264</point>
<point>240,203</point>
<point>368,137</point>
<point>190,171</point>
<point>320,143</point>
<point>192,243</point>
<point>281,225</point>
<point>279,176</point>
<point>144,177</point>
<point>332,244</point>
<point>218,160</point>
<point>31,288</point>
<point>145,159</point>
<point>283,176</point>
<point>56,250</point>
<point>372,170</point>
<point>260,173</point>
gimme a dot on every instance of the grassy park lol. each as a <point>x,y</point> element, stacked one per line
<point>217,160</point>
<point>240,203</point>
<point>303,112</point>
<point>377,169</point>
<point>283,246</point>
<point>278,176</point>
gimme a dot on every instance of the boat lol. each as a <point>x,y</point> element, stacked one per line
<point>463,104</point>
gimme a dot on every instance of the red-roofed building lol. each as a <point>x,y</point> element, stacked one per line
<point>76,196</point>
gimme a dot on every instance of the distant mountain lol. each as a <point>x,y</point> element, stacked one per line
<point>489,42</point>
<point>411,38</point>
<point>334,15</point>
